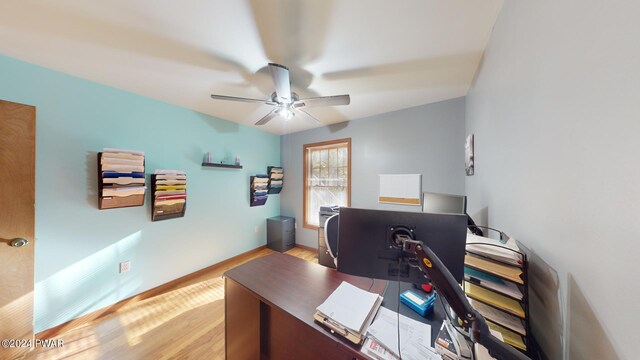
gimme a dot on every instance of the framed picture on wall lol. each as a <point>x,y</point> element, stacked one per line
<point>468,155</point>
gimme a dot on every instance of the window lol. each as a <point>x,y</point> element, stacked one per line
<point>327,177</point>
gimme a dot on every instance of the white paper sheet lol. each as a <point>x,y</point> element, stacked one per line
<point>349,306</point>
<point>414,335</point>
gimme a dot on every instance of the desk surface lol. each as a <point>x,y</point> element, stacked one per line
<point>297,287</point>
<point>433,318</point>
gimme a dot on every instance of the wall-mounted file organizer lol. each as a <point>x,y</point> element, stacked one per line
<point>259,190</point>
<point>496,283</point>
<point>168,194</point>
<point>121,178</point>
<point>276,178</point>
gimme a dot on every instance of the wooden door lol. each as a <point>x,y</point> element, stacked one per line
<point>17,221</point>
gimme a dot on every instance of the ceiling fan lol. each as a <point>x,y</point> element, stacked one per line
<point>287,103</point>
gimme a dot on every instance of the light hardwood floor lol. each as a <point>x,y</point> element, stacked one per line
<point>177,321</point>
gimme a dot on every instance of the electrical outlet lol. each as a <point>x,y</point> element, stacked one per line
<point>125,266</point>
<point>257,229</point>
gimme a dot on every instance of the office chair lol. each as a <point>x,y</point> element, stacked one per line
<point>331,236</point>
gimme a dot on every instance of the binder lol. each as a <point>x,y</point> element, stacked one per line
<point>338,329</point>
<point>349,311</point>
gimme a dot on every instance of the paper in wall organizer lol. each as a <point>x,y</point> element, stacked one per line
<point>258,191</point>
<point>169,188</point>
<point>121,178</point>
<point>276,178</point>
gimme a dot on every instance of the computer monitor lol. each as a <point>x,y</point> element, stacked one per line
<point>444,203</point>
<point>367,247</point>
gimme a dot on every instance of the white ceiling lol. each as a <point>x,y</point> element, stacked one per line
<point>387,55</point>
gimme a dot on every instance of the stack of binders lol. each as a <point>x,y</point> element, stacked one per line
<point>122,182</point>
<point>259,190</point>
<point>276,176</point>
<point>169,194</point>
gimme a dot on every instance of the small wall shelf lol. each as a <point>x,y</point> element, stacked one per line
<point>221,165</point>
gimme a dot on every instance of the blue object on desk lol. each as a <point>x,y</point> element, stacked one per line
<point>418,303</point>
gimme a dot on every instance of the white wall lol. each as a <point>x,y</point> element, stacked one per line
<point>427,140</point>
<point>556,113</point>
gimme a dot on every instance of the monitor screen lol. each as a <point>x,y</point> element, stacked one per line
<point>366,247</point>
<point>444,203</point>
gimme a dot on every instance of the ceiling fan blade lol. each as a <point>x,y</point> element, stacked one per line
<point>280,75</point>
<point>309,116</point>
<point>234,98</point>
<point>267,117</point>
<point>323,101</point>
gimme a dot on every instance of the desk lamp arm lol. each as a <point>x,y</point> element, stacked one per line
<point>447,287</point>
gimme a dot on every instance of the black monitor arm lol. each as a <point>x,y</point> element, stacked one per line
<point>448,288</point>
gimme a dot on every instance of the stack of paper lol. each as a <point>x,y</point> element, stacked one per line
<point>415,337</point>
<point>493,249</point>
<point>492,298</point>
<point>275,179</point>
<point>499,317</point>
<point>259,189</point>
<point>508,272</point>
<point>170,193</point>
<point>508,336</point>
<point>349,311</point>
<point>493,283</point>
<point>122,177</point>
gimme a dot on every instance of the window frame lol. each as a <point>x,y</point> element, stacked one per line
<point>346,142</point>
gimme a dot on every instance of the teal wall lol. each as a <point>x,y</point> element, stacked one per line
<point>78,247</point>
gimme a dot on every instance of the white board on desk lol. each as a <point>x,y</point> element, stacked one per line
<point>405,189</point>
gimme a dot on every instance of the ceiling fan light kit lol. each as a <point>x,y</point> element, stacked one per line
<point>287,103</point>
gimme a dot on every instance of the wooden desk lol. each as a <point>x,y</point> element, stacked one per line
<point>269,307</point>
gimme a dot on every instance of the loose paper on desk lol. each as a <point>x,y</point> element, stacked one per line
<point>349,306</point>
<point>415,336</point>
